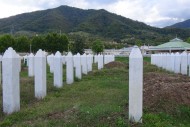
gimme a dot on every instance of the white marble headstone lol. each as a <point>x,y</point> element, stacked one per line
<point>40,74</point>
<point>84,64</point>
<point>31,65</point>
<point>11,81</point>
<point>184,63</point>
<point>100,62</point>
<point>77,65</point>
<point>89,62</point>
<point>58,70</point>
<point>135,85</point>
<point>69,68</point>
<point>177,63</point>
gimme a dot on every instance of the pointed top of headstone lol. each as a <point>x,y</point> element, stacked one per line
<point>69,54</point>
<point>135,53</point>
<point>177,53</point>
<point>10,53</point>
<point>40,53</point>
<point>84,54</point>
<point>89,55</point>
<point>78,54</point>
<point>57,54</point>
<point>184,53</point>
<point>31,55</point>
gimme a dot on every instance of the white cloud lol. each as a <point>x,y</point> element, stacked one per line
<point>157,13</point>
<point>153,12</point>
<point>9,9</point>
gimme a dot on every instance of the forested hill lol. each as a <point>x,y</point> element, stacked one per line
<point>185,24</point>
<point>96,22</point>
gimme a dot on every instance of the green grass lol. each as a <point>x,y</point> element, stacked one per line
<point>99,99</point>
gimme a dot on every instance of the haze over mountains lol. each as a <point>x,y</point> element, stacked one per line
<point>96,22</point>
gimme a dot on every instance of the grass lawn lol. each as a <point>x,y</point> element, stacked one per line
<point>99,99</point>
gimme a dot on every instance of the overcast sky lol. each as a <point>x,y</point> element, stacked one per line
<point>159,13</point>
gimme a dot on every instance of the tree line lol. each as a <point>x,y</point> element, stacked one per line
<point>51,42</point>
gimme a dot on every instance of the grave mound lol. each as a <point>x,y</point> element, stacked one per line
<point>164,90</point>
<point>115,64</point>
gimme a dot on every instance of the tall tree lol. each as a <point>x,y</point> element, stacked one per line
<point>77,46</point>
<point>38,42</point>
<point>5,42</point>
<point>97,46</point>
<point>22,44</point>
<point>56,42</point>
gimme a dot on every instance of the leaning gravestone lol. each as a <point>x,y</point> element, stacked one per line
<point>135,85</point>
<point>40,74</point>
<point>31,65</point>
<point>58,70</point>
<point>11,81</point>
<point>69,68</point>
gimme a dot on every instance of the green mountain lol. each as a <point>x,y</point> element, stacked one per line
<point>95,22</point>
<point>185,24</point>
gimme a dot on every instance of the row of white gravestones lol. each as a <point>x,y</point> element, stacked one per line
<point>11,67</point>
<point>81,63</point>
<point>108,59</point>
<point>177,63</point>
<point>100,60</point>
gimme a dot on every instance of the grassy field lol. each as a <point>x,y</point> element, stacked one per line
<point>99,99</point>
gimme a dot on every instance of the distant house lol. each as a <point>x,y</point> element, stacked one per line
<point>174,45</point>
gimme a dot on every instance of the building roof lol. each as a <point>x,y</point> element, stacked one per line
<point>175,43</point>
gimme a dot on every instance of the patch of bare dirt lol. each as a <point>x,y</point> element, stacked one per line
<point>115,64</point>
<point>162,87</point>
<point>146,63</point>
<point>66,115</point>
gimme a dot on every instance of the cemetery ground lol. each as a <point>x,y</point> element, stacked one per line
<point>101,99</point>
